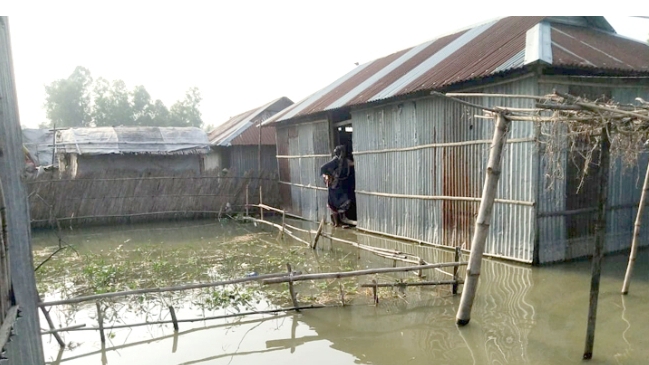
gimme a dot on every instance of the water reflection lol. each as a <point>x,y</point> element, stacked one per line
<point>521,315</point>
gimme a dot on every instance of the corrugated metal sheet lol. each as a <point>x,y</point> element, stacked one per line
<point>589,48</point>
<point>237,130</point>
<point>246,158</point>
<point>303,191</point>
<point>456,171</point>
<point>481,51</point>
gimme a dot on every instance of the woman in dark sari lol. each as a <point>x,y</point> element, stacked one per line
<point>340,180</point>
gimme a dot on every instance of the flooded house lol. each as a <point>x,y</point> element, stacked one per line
<point>239,145</point>
<point>420,160</point>
<point>133,149</point>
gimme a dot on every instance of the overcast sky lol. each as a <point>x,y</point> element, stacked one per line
<point>240,54</point>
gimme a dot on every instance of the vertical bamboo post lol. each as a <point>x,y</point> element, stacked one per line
<point>483,220</point>
<point>455,269</point>
<point>420,274</point>
<point>259,153</point>
<point>261,201</point>
<point>283,222</point>
<point>56,335</point>
<point>636,234</point>
<point>375,290</point>
<point>290,287</point>
<point>172,311</point>
<point>317,234</point>
<point>600,238</point>
<point>247,202</point>
<point>100,321</point>
<point>342,294</point>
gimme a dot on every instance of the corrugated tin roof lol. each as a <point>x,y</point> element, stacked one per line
<point>496,46</point>
<point>237,131</point>
<point>135,140</point>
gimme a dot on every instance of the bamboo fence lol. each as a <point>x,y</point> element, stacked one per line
<point>118,197</point>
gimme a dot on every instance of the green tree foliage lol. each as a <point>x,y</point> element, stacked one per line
<point>68,101</point>
<point>79,102</point>
<point>185,113</point>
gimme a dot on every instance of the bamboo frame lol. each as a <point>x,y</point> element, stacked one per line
<point>442,145</point>
<point>483,220</point>
<point>444,197</point>
<point>302,185</point>
<point>636,234</point>
<point>348,274</point>
<point>506,96</point>
<point>418,283</point>
<point>63,329</point>
<point>302,156</point>
<point>158,290</point>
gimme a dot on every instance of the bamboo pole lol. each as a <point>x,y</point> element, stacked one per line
<point>444,197</point>
<point>508,96</point>
<point>418,283</point>
<point>58,338</point>
<point>160,290</point>
<point>443,145</point>
<point>63,329</point>
<point>636,234</point>
<point>483,220</point>
<point>349,274</point>
<point>317,234</point>
<point>100,321</point>
<point>600,238</point>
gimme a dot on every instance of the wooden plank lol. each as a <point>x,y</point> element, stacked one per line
<point>7,325</point>
<point>29,349</point>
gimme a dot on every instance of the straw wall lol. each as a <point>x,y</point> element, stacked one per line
<point>120,196</point>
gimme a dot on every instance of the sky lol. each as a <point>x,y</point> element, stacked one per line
<point>240,54</point>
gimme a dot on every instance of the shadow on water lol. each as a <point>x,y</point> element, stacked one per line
<point>522,315</point>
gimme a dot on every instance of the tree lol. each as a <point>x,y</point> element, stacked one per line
<point>79,102</point>
<point>160,115</point>
<point>112,106</point>
<point>67,103</point>
<point>186,113</point>
<point>142,107</point>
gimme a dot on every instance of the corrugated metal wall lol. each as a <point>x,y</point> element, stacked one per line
<point>301,150</point>
<point>437,172</point>
<point>624,194</point>
<point>245,158</point>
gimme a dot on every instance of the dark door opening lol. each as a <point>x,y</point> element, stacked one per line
<point>342,136</point>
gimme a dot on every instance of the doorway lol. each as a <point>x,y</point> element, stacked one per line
<point>343,136</point>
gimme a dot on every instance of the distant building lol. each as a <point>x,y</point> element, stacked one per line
<point>235,143</point>
<point>420,160</point>
<point>139,149</point>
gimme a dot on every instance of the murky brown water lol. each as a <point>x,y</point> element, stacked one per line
<point>521,315</point>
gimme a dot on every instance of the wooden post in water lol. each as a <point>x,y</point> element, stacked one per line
<point>172,311</point>
<point>317,234</point>
<point>290,287</point>
<point>600,240</point>
<point>261,201</point>
<point>58,338</point>
<point>100,321</point>
<point>636,234</point>
<point>247,202</point>
<point>455,269</point>
<point>483,220</point>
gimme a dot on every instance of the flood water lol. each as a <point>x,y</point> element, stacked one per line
<point>521,315</point>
